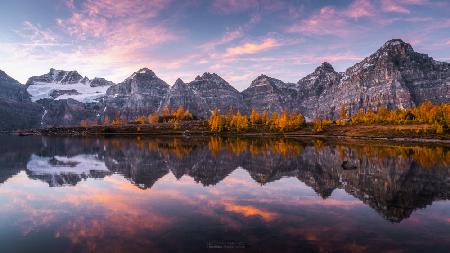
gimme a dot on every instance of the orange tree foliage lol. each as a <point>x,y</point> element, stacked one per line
<point>140,120</point>
<point>153,118</point>
<point>254,117</point>
<point>216,122</point>
<point>436,115</point>
<point>239,122</point>
<point>265,118</point>
<point>165,111</point>
<point>318,126</point>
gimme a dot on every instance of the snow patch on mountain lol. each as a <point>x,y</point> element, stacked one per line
<point>85,93</point>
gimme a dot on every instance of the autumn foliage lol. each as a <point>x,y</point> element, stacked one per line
<point>438,116</point>
<point>238,122</point>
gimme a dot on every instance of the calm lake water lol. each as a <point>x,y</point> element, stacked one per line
<point>221,195</point>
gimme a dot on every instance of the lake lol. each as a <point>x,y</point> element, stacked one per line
<point>145,194</point>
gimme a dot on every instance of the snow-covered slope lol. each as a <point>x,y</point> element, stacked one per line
<point>60,84</point>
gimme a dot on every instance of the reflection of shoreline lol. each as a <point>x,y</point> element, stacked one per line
<point>394,180</point>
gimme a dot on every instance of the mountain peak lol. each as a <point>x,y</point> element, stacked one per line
<point>146,71</point>
<point>397,44</point>
<point>325,66</point>
<point>179,82</point>
<point>262,76</point>
<point>394,42</point>
<point>210,76</point>
<point>143,72</point>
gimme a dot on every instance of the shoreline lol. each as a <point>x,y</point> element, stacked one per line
<point>384,133</point>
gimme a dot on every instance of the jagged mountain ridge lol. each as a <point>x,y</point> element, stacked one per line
<point>140,94</point>
<point>61,84</point>
<point>395,76</point>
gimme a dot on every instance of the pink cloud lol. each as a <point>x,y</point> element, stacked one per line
<point>360,8</point>
<point>328,21</point>
<point>235,6</point>
<point>232,34</point>
<point>248,211</point>
<point>117,30</point>
<point>393,6</point>
<point>252,48</point>
<point>232,6</point>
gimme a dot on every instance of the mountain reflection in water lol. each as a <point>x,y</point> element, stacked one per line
<point>239,193</point>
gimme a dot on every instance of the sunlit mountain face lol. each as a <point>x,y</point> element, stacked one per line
<point>137,194</point>
<point>239,40</point>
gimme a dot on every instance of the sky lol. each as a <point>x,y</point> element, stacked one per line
<point>237,39</point>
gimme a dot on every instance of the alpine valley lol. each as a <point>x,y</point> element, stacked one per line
<point>395,76</point>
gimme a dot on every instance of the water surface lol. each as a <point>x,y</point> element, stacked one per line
<point>141,194</point>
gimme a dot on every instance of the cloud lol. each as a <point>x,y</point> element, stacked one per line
<point>236,6</point>
<point>36,36</point>
<point>252,48</point>
<point>393,6</point>
<point>360,8</point>
<point>328,21</point>
<point>233,6</point>
<point>249,211</point>
<point>232,34</point>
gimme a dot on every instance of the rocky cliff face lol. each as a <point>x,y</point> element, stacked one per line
<point>56,76</point>
<point>204,94</point>
<point>217,93</point>
<point>16,109</point>
<point>61,84</point>
<point>395,77</point>
<point>311,88</point>
<point>67,98</point>
<point>182,94</point>
<point>68,112</point>
<point>140,94</point>
<point>269,94</point>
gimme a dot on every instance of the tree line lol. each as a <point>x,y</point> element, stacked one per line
<point>435,115</point>
<point>240,122</point>
<point>173,117</point>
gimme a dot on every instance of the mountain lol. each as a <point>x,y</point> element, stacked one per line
<point>312,87</point>
<point>16,108</point>
<point>270,94</point>
<point>68,112</point>
<point>67,97</point>
<point>182,94</point>
<point>217,93</point>
<point>140,94</point>
<point>395,76</point>
<point>204,94</point>
<point>61,84</point>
